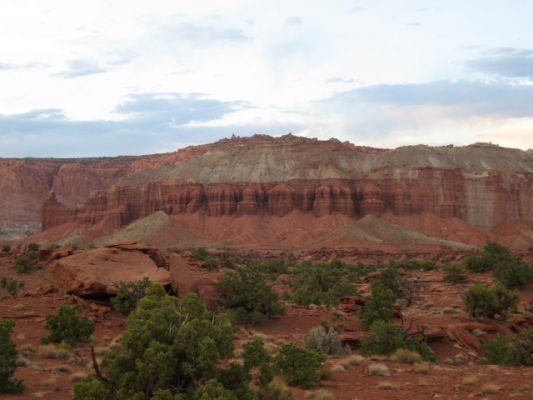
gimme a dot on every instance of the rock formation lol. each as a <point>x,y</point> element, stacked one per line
<point>482,185</point>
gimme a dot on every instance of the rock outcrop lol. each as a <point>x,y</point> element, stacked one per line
<point>99,271</point>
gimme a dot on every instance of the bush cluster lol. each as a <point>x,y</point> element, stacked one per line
<point>6,249</point>
<point>320,284</point>
<point>483,301</point>
<point>67,326</point>
<point>29,260</point>
<point>386,337</point>
<point>249,298</point>
<point>8,360</point>
<point>128,294</point>
<point>176,350</point>
<point>506,267</point>
<point>516,351</point>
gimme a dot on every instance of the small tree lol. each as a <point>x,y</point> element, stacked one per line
<point>249,297</point>
<point>454,274</point>
<point>128,294</point>
<point>6,249</point>
<point>68,327</point>
<point>321,284</point>
<point>379,307</point>
<point>8,360</point>
<point>482,301</point>
<point>387,337</point>
<point>301,367</point>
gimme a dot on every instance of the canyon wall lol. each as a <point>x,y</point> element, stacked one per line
<point>484,201</point>
<point>482,184</point>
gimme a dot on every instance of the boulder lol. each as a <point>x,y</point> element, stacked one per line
<point>98,272</point>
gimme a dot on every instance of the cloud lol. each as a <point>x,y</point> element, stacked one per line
<point>293,21</point>
<point>155,122</point>
<point>175,108</point>
<point>505,62</point>
<point>476,98</point>
<point>339,79</point>
<point>413,24</point>
<point>82,67</point>
<point>201,34</point>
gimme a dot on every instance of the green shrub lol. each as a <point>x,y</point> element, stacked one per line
<point>391,279</point>
<point>379,307</point>
<point>483,301</point>
<point>128,294</point>
<point>169,350</point>
<point>11,285</point>
<point>476,263</point>
<point>517,351</point>
<point>32,247</point>
<point>68,327</point>
<point>325,341</point>
<point>386,337</point>
<point>301,367</point>
<point>6,249</point>
<point>8,359</point>
<point>321,284</point>
<point>249,297</point>
<point>23,264</point>
<point>201,253</point>
<point>507,268</point>
<point>454,274</point>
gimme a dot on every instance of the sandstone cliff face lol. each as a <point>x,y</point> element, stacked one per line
<point>480,201</point>
<point>483,185</point>
<point>25,184</point>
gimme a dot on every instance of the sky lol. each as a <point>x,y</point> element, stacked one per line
<point>114,77</point>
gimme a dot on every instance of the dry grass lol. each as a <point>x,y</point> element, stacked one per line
<point>470,380</point>
<point>338,368</point>
<point>489,388</point>
<point>378,369</point>
<point>61,368</point>
<point>386,385</point>
<point>421,368</point>
<point>405,356</point>
<point>54,352</point>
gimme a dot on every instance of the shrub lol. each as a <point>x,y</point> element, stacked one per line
<point>249,297</point>
<point>387,337</point>
<point>8,360</point>
<point>379,307</point>
<point>11,285</point>
<point>6,249</point>
<point>377,369</point>
<point>482,301</point>
<point>325,341</point>
<point>68,327</point>
<point>256,356</point>
<point>32,247</point>
<point>23,264</point>
<point>128,294</point>
<point>476,263</point>
<point>517,351</point>
<point>321,284</point>
<point>454,274</point>
<point>301,367</point>
<point>169,350</point>
<point>275,390</point>
<point>507,268</point>
<point>200,253</point>
<point>391,279</point>
<point>406,356</point>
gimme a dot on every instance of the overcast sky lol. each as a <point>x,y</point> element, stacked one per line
<point>109,77</point>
